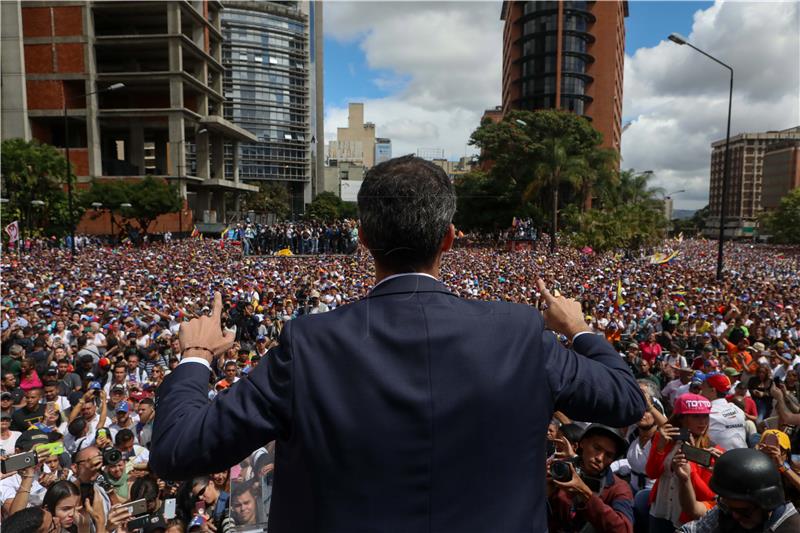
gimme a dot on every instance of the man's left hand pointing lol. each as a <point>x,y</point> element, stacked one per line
<point>203,336</point>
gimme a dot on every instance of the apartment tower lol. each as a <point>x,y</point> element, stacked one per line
<point>566,55</point>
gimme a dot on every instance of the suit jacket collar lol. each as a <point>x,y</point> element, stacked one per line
<point>409,284</point>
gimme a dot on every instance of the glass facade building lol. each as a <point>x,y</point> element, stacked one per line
<point>540,54</point>
<point>266,89</point>
<point>566,55</point>
<point>270,89</point>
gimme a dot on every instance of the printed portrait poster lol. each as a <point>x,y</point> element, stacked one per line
<point>251,490</point>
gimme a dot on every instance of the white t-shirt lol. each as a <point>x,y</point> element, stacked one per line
<point>669,392</point>
<point>10,486</point>
<point>726,425</point>
<point>637,459</point>
<point>7,445</point>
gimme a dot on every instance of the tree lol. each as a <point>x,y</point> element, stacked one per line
<point>35,171</point>
<point>272,198</point>
<point>629,215</point>
<point>555,166</point>
<point>783,225</point>
<point>693,225</point>
<point>325,207</point>
<point>516,148</point>
<point>149,198</point>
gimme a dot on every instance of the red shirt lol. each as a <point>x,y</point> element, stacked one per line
<point>650,351</point>
<point>749,405</point>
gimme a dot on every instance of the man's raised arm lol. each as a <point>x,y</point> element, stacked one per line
<point>192,436</point>
<point>590,382</point>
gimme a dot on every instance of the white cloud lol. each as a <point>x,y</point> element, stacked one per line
<point>444,59</point>
<point>677,99</point>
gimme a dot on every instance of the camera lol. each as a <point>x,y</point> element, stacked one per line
<point>561,471</point>
<point>111,456</point>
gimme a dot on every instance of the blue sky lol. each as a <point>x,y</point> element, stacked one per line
<point>349,78</point>
<point>427,71</point>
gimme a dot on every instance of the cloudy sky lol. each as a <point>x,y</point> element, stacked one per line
<point>426,71</point>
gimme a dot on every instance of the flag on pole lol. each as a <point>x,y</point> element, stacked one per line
<point>620,300</point>
<point>13,231</point>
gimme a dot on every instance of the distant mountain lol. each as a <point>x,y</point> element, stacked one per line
<point>683,214</point>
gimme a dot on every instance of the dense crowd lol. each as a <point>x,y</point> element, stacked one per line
<point>299,237</point>
<point>87,341</point>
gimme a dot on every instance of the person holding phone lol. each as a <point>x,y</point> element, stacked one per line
<point>688,424</point>
<point>778,447</point>
<point>750,497</point>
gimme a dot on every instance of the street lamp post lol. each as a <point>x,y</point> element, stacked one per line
<point>124,205</point>
<point>679,39</point>
<point>69,168</point>
<point>97,206</point>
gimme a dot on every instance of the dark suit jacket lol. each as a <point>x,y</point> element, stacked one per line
<point>409,411</point>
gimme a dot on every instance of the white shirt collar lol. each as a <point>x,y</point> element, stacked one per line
<point>387,278</point>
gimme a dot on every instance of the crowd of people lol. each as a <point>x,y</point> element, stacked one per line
<point>86,342</point>
<point>302,238</point>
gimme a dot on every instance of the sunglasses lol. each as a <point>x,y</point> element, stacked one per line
<point>200,493</point>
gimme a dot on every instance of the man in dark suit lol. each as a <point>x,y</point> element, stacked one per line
<point>411,410</point>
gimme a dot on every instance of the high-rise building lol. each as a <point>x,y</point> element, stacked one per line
<point>743,203</point>
<point>167,54</point>
<point>273,85</point>
<point>355,143</point>
<point>566,55</point>
<point>780,172</point>
<point>383,150</point>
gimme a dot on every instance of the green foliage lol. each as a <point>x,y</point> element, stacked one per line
<point>348,210</point>
<point>783,225</point>
<point>271,198</point>
<point>549,151</point>
<point>35,171</point>
<point>326,207</point>
<point>628,216</point>
<point>691,226</point>
<point>149,198</point>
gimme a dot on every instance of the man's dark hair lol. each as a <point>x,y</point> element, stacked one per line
<point>77,427</point>
<point>123,435</point>
<point>24,521</point>
<point>405,206</point>
<point>144,487</point>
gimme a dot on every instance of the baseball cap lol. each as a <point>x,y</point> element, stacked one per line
<point>5,395</point>
<point>30,438</point>
<point>95,385</point>
<point>719,382</point>
<point>731,372</point>
<point>783,438</point>
<point>692,404</point>
<point>123,407</point>
<point>118,388</point>
<point>5,416</point>
<point>600,429</point>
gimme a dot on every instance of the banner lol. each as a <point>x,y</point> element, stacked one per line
<point>13,231</point>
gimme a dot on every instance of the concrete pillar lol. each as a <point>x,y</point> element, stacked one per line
<point>177,141</point>
<point>93,138</point>
<point>236,161</point>
<point>198,36</point>
<point>218,157</point>
<point>136,145</point>
<point>161,154</point>
<point>202,203</point>
<point>14,93</point>
<point>218,204</point>
<point>201,154</point>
